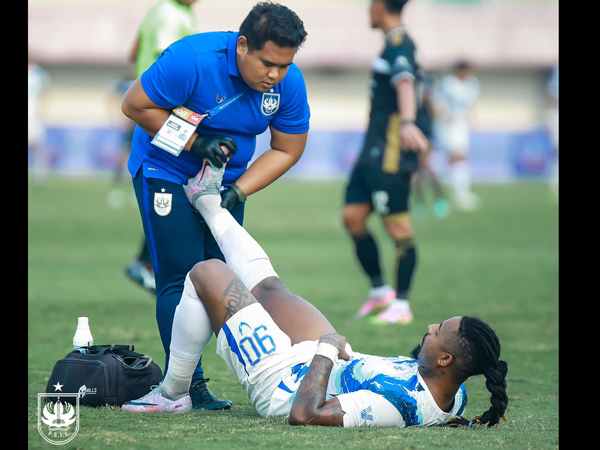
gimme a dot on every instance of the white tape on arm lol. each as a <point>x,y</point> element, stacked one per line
<point>328,351</point>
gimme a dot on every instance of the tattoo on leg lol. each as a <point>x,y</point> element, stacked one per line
<point>236,297</point>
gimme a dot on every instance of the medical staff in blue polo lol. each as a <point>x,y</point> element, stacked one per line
<point>242,83</point>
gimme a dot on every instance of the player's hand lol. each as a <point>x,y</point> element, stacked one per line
<point>216,148</point>
<point>413,138</point>
<point>232,196</point>
<point>339,342</point>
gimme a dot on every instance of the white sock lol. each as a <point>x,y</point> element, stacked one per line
<point>191,332</point>
<point>242,253</point>
<point>460,177</point>
<point>400,305</point>
<point>380,291</point>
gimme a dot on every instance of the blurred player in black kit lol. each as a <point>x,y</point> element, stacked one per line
<point>380,180</point>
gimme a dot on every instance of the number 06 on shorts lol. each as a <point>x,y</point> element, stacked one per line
<point>259,353</point>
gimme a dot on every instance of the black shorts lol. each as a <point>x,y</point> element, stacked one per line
<point>388,193</point>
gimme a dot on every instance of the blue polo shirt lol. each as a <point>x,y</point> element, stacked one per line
<point>196,71</point>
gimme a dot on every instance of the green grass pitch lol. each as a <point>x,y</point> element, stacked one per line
<point>500,263</point>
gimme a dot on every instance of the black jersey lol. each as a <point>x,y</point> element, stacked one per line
<point>383,144</point>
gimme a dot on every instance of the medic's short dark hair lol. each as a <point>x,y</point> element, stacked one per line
<point>272,22</point>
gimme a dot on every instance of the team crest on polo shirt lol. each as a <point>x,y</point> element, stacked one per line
<point>270,103</point>
<point>162,202</point>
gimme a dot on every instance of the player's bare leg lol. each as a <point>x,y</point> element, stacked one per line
<point>247,259</point>
<point>296,317</point>
<point>223,294</point>
<point>220,290</point>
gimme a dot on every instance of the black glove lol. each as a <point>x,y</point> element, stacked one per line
<point>209,147</point>
<point>232,196</point>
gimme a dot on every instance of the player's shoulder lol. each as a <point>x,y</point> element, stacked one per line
<point>473,82</point>
<point>398,38</point>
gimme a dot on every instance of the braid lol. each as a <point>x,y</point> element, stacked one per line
<point>478,350</point>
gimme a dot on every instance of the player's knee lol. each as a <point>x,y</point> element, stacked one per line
<point>354,223</point>
<point>205,270</point>
<point>399,228</point>
<point>270,286</point>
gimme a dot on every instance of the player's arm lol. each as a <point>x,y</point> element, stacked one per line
<point>142,110</point>
<point>412,136</point>
<point>138,107</point>
<point>310,407</point>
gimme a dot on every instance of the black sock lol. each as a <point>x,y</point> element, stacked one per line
<point>368,256</point>
<point>406,260</point>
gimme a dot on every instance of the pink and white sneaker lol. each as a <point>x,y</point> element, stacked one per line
<point>376,303</point>
<point>393,314</point>
<point>207,181</point>
<point>154,402</point>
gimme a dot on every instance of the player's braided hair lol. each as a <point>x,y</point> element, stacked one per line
<point>477,349</point>
<point>272,22</point>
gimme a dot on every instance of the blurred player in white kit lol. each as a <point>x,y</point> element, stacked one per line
<point>454,97</point>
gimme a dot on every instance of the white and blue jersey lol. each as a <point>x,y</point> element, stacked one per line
<point>373,391</point>
<point>200,72</point>
<point>456,97</point>
<point>376,391</point>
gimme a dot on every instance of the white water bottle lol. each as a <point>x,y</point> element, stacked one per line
<point>83,335</point>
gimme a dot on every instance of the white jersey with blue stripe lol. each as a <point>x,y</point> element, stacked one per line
<point>375,391</point>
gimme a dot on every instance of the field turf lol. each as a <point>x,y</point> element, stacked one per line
<point>500,264</point>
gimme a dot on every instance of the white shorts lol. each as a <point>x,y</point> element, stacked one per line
<point>453,137</point>
<point>260,354</point>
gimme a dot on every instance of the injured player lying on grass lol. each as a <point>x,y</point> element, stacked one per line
<point>289,358</point>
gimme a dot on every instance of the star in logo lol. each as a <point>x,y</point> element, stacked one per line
<point>162,190</point>
<point>271,90</point>
<point>58,386</point>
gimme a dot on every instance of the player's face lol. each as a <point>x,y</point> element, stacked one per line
<point>463,73</point>
<point>262,69</point>
<point>375,12</point>
<point>434,340</point>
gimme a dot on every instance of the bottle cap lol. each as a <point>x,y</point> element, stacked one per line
<point>83,335</point>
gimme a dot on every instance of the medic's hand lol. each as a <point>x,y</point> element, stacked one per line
<point>232,196</point>
<point>216,148</point>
